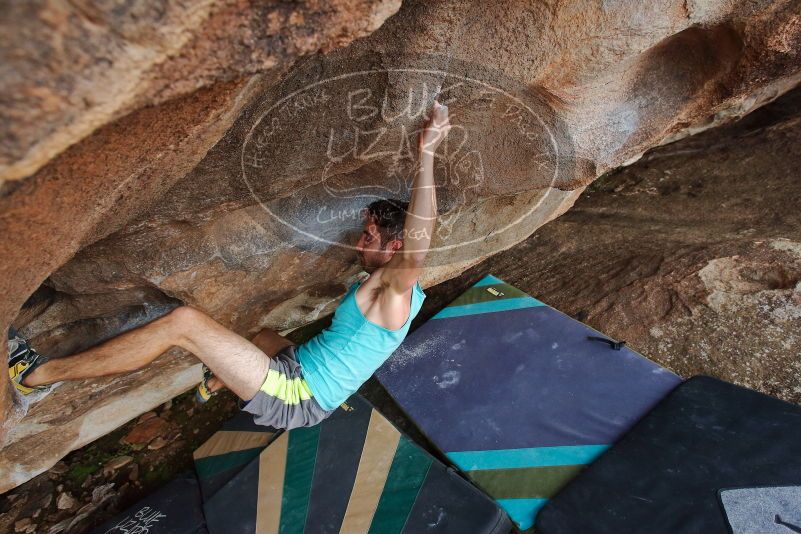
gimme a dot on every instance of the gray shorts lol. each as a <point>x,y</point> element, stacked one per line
<point>285,400</point>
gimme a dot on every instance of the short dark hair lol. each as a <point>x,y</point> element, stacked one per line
<point>389,216</point>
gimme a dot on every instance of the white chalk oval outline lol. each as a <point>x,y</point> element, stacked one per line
<point>397,70</point>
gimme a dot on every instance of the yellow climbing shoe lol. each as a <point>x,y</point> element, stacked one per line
<point>203,392</point>
<point>22,360</point>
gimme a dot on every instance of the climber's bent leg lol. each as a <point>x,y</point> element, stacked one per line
<point>240,364</point>
<point>269,341</point>
<point>126,352</point>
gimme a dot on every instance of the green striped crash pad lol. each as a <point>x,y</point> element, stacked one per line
<point>353,473</point>
<point>518,395</point>
<point>228,451</point>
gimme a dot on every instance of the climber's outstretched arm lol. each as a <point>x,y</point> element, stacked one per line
<point>403,270</point>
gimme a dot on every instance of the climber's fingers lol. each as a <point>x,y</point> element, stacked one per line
<point>439,116</point>
<point>436,129</point>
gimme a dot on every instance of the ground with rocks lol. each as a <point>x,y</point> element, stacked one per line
<point>91,484</point>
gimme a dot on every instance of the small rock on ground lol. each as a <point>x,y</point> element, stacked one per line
<point>145,432</point>
<point>66,501</point>
<point>116,463</point>
<point>60,468</point>
<point>147,415</point>
<point>23,524</point>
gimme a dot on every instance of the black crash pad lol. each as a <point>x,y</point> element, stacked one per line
<point>688,467</point>
<point>174,509</point>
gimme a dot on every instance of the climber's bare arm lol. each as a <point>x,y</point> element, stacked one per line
<point>403,270</point>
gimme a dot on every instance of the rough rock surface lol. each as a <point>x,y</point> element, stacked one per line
<point>75,66</point>
<point>692,255</point>
<point>568,269</point>
<point>137,113</point>
<point>178,183</point>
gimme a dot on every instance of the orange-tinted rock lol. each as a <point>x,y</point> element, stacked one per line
<point>109,106</point>
<point>147,431</point>
<point>110,59</point>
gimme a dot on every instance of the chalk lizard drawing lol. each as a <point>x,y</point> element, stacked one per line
<point>140,523</point>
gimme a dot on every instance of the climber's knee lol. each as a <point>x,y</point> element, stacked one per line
<point>184,321</point>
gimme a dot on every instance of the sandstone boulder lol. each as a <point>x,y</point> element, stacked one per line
<point>213,173</point>
<point>693,256</point>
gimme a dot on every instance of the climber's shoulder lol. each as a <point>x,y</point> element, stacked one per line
<point>382,303</point>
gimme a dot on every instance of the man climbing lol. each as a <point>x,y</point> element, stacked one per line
<point>287,386</point>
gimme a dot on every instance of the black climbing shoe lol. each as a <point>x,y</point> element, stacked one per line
<point>22,360</point>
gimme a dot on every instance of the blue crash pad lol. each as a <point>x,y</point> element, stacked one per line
<point>518,395</point>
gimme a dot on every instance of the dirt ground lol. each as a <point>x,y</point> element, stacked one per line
<point>92,484</point>
<point>692,255</point>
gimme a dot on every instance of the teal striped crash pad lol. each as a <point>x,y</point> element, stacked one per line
<point>519,396</point>
<point>353,473</point>
<point>229,450</point>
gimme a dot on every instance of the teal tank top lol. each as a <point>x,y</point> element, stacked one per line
<point>338,360</point>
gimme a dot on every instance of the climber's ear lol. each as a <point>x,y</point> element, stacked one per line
<point>394,245</point>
